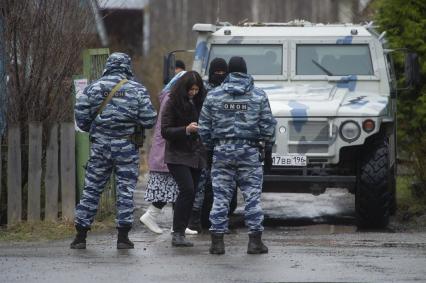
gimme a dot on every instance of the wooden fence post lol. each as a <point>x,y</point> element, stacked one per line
<point>67,142</point>
<point>34,170</point>
<point>51,180</point>
<point>14,181</point>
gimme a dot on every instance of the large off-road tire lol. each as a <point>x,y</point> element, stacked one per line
<point>207,206</point>
<point>373,193</point>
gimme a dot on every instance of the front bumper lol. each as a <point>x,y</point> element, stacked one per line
<point>304,181</point>
<point>306,184</point>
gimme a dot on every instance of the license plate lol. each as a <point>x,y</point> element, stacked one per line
<point>288,160</point>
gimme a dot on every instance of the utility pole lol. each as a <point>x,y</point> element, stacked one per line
<point>99,23</point>
<point>2,75</point>
<point>146,29</point>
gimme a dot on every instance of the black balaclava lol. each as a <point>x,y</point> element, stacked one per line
<point>217,64</point>
<point>237,65</point>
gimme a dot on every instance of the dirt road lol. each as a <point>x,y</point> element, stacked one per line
<point>315,241</point>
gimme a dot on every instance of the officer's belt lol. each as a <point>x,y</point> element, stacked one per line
<point>236,141</point>
<point>127,137</point>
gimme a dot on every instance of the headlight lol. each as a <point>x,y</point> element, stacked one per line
<point>350,131</point>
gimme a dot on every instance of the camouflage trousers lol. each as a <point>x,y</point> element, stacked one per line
<point>106,156</point>
<point>232,164</point>
<point>200,193</point>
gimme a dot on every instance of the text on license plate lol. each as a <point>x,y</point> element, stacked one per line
<point>288,160</point>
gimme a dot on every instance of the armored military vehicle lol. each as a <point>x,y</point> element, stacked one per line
<point>332,89</point>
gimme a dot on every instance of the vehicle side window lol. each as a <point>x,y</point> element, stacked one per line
<point>333,60</point>
<point>260,59</point>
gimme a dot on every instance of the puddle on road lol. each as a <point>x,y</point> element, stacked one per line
<point>321,229</point>
<point>331,212</point>
<point>330,229</point>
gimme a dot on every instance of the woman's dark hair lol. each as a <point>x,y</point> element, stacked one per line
<point>179,93</point>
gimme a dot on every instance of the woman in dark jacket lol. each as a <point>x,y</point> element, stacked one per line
<point>184,154</point>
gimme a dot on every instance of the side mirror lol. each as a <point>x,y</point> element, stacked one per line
<point>168,67</point>
<point>412,69</point>
<point>169,63</point>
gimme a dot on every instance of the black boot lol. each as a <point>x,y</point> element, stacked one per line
<point>218,246</point>
<point>179,240</point>
<point>123,242</point>
<point>195,221</point>
<point>255,244</point>
<point>79,242</point>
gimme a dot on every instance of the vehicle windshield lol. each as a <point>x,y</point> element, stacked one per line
<point>333,60</point>
<point>260,59</point>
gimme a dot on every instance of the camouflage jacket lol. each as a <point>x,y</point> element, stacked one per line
<point>208,86</point>
<point>236,110</point>
<point>130,106</point>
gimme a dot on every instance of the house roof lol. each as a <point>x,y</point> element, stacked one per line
<point>123,4</point>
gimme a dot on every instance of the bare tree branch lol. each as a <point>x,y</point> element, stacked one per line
<point>44,40</point>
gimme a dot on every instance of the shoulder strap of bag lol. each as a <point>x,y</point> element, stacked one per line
<point>110,95</point>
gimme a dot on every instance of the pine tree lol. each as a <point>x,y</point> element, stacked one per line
<point>405,24</point>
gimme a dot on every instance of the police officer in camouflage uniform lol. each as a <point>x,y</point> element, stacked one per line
<point>218,71</point>
<point>235,117</point>
<point>111,147</point>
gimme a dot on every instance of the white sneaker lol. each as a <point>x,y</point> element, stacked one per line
<point>149,219</point>
<point>190,232</point>
<point>187,231</point>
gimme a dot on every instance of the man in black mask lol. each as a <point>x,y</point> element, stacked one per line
<point>217,72</point>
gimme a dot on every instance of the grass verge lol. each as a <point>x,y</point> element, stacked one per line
<point>45,230</point>
<point>411,208</point>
